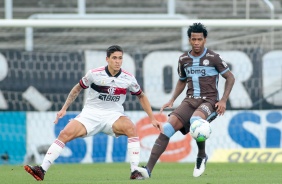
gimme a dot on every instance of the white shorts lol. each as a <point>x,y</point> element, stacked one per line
<point>96,121</point>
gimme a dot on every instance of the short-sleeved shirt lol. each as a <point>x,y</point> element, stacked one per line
<point>202,73</point>
<point>108,92</point>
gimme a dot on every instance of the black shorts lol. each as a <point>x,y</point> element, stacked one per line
<point>188,106</point>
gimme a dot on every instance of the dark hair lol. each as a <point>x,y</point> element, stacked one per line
<point>197,28</point>
<point>113,49</point>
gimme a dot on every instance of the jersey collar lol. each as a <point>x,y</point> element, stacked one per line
<point>109,74</point>
<point>195,57</point>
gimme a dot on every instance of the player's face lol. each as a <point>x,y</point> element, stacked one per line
<point>115,62</point>
<point>197,41</point>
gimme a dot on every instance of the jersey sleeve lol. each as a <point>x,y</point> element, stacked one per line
<point>220,65</point>
<point>135,88</point>
<point>181,72</point>
<point>86,80</point>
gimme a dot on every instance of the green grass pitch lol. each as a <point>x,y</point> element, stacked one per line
<point>164,173</point>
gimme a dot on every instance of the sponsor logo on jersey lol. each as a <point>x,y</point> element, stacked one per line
<point>224,64</point>
<point>191,71</point>
<point>209,55</point>
<point>109,98</point>
<point>179,69</point>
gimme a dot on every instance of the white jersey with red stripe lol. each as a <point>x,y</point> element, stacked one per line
<point>108,92</point>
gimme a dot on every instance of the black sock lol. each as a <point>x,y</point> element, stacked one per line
<point>201,149</point>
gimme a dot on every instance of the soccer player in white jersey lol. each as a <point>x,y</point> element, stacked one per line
<point>103,112</point>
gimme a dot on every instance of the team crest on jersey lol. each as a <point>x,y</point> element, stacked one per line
<point>111,90</point>
<point>206,62</point>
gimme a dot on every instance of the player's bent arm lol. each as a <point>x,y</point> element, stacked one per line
<point>230,80</point>
<point>146,105</point>
<point>180,86</point>
<point>72,96</point>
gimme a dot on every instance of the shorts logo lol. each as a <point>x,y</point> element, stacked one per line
<point>206,109</point>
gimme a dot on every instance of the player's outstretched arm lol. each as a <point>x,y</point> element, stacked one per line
<point>148,109</point>
<point>71,97</point>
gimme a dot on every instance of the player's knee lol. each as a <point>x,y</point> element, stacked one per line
<point>194,118</point>
<point>65,136</point>
<point>168,130</point>
<point>129,130</point>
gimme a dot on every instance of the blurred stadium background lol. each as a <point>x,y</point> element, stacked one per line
<point>39,66</point>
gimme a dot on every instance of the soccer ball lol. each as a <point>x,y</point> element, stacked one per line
<point>200,130</point>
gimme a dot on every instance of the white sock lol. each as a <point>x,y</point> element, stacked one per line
<point>133,148</point>
<point>52,154</point>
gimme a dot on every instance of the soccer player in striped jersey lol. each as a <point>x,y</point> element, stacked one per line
<point>102,112</point>
<point>199,70</point>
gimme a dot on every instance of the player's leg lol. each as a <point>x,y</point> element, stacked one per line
<point>175,122</point>
<point>204,111</point>
<point>202,157</point>
<point>169,128</point>
<point>201,145</point>
<point>124,126</point>
<point>72,130</point>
